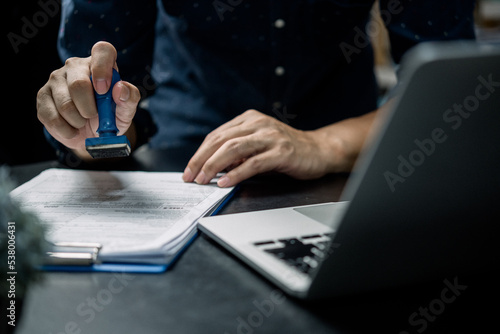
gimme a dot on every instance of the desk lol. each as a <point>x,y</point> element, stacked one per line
<point>210,291</point>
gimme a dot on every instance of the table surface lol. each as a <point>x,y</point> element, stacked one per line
<point>210,291</point>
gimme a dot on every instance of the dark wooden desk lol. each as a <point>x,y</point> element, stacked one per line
<point>210,291</point>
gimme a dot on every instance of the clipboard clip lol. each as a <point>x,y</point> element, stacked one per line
<point>72,254</point>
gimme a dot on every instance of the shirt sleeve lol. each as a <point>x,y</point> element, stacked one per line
<point>127,24</point>
<point>411,22</point>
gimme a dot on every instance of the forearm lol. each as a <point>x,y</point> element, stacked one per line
<point>341,143</point>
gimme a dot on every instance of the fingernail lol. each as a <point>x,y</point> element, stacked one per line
<point>223,181</point>
<point>100,86</point>
<point>188,175</point>
<point>200,179</point>
<point>124,92</point>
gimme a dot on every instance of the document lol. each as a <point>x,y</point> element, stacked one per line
<point>137,217</point>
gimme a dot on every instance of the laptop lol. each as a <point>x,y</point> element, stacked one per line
<point>422,202</point>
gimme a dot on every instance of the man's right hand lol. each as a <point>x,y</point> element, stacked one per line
<point>66,105</point>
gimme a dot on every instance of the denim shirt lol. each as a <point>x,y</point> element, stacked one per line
<point>308,63</point>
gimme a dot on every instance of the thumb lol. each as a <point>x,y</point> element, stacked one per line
<point>126,97</point>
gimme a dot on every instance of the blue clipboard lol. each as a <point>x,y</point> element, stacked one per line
<point>81,257</point>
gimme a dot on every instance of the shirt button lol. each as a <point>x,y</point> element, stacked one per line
<point>277,105</point>
<point>279,70</point>
<point>279,23</point>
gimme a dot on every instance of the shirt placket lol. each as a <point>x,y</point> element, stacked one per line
<point>278,70</point>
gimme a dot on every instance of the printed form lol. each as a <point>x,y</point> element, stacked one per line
<point>140,217</point>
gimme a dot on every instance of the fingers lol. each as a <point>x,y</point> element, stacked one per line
<point>66,107</point>
<point>126,97</point>
<point>257,164</point>
<point>48,113</point>
<point>230,152</point>
<point>255,143</point>
<point>66,104</point>
<point>79,86</point>
<point>210,145</point>
<point>66,101</point>
<point>103,60</point>
<point>242,145</point>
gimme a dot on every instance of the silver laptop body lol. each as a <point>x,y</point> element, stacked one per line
<point>421,203</point>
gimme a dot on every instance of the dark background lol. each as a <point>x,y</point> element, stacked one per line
<point>21,135</point>
<point>28,69</point>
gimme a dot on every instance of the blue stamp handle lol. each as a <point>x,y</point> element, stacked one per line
<point>106,109</point>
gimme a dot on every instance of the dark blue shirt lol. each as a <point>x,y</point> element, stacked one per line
<point>308,63</point>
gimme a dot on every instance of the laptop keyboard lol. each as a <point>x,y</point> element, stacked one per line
<point>304,253</point>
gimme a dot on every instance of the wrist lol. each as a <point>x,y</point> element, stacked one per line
<point>342,142</point>
<point>334,151</point>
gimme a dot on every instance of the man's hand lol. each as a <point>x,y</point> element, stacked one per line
<point>66,105</point>
<point>254,143</point>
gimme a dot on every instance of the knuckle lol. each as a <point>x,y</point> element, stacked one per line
<point>71,61</point>
<point>41,95</point>
<point>285,148</point>
<point>261,121</point>
<point>252,112</point>
<point>194,163</point>
<point>67,107</point>
<point>256,163</point>
<point>233,146</point>
<point>270,132</point>
<point>41,101</point>
<point>41,114</point>
<point>209,168</point>
<point>213,137</point>
<point>50,120</point>
<point>55,75</point>
<point>79,84</point>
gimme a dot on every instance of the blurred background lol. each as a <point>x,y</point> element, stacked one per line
<point>30,44</point>
<point>30,60</point>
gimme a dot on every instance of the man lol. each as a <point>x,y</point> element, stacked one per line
<point>298,76</point>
